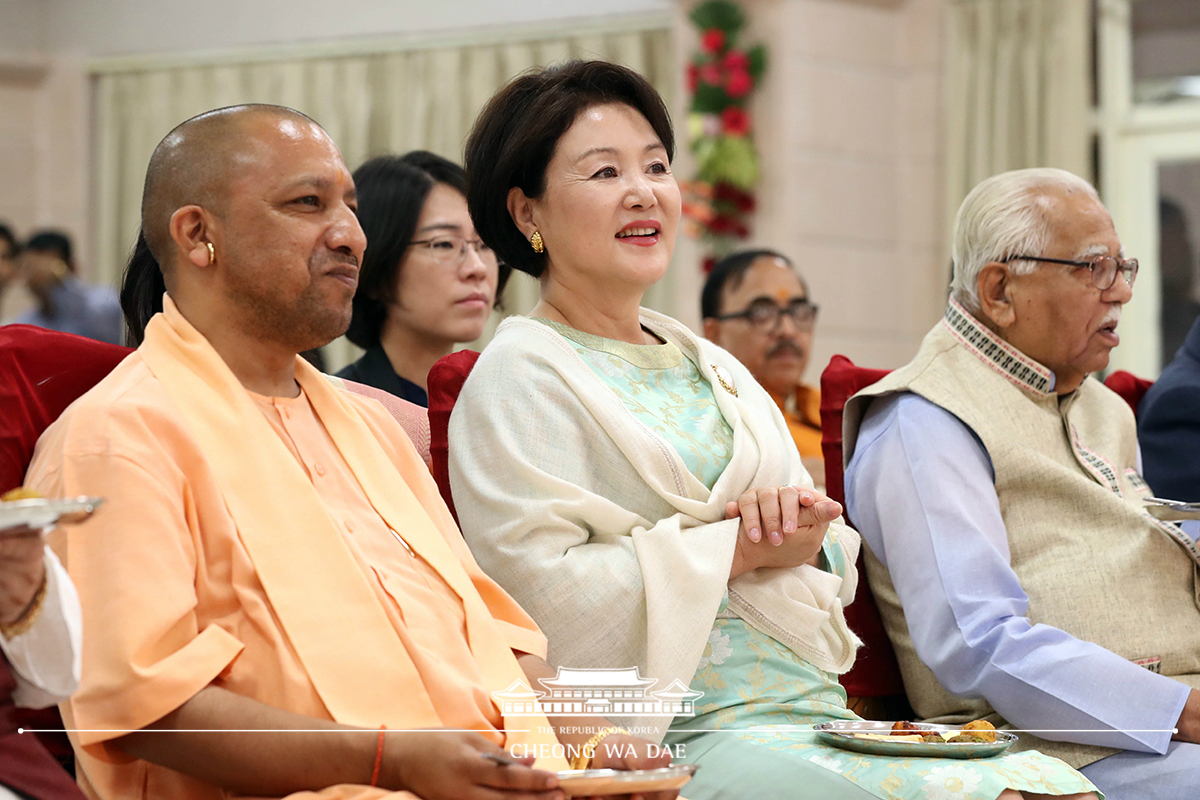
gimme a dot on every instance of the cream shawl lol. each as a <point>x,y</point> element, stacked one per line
<point>352,654</point>
<point>593,523</point>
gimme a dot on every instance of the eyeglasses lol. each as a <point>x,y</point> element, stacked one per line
<point>764,315</point>
<point>452,250</point>
<point>1104,268</point>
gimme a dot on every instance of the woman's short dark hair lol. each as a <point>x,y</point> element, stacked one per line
<point>7,235</point>
<point>142,290</point>
<point>391,195</point>
<point>516,133</point>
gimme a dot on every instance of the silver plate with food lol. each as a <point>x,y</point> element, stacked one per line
<point>875,738</point>
<point>42,512</point>
<point>1171,510</point>
<point>583,782</point>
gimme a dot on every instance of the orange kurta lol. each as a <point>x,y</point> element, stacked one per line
<point>173,601</point>
<point>803,414</point>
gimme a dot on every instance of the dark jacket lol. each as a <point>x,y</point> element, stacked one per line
<point>374,369</point>
<point>1169,425</point>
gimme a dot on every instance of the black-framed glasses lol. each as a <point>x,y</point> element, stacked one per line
<point>764,314</point>
<point>452,250</point>
<point>1104,268</point>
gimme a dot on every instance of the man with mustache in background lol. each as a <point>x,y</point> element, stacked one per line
<point>997,488</point>
<point>756,306</point>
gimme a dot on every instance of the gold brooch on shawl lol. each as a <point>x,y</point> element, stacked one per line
<point>720,373</point>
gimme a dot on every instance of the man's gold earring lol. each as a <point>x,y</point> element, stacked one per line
<point>212,254</point>
<point>536,242</point>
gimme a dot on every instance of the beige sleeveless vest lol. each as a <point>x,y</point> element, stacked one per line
<point>1093,563</point>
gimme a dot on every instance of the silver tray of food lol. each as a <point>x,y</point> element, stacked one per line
<point>916,740</point>
<point>1171,510</point>
<point>18,516</point>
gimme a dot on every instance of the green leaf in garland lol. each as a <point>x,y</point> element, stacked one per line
<point>710,99</point>
<point>728,159</point>
<point>720,14</point>
<point>758,61</point>
<point>703,148</point>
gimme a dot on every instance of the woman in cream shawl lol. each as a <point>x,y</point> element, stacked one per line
<point>631,484</point>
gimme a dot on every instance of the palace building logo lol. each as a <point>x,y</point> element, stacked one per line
<point>597,691</point>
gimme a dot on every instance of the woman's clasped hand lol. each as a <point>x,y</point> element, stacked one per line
<point>782,526</point>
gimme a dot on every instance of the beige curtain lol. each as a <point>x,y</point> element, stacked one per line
<point>1019,90</point>
<point>393,100</point>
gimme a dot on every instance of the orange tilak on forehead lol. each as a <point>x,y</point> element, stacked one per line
<point>782,294</point>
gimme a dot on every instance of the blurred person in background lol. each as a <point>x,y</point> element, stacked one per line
<point>756,306</point>
<point>1169,427</point>
<point>427,281</point>
<point>64,302</point>
<point>1177,268</point>
<point>8,258</point>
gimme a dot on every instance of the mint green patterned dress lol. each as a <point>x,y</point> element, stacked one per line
<point>752,730</point>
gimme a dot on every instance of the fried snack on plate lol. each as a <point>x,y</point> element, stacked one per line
<point>976,732</point>
<point>981,729</point>
<point>21,493</point>
<point>905,728</point>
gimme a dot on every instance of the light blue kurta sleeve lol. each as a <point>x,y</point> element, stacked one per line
<point>920,489</point>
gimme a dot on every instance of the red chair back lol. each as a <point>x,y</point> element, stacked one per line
<point>1130,387</point>
<point>41,373</point>
<point>876,672</point>
<point>445,381</point>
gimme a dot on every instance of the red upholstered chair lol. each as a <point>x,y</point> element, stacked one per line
<point>1131,388</point>
<point>875,677</point>
<point>445,381</point>
<point>41,373</point>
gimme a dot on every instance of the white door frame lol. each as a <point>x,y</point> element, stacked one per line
<point>1134,141</point>
<point>1134,206</point>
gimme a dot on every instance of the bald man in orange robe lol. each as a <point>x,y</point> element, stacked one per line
<point>275,599</point>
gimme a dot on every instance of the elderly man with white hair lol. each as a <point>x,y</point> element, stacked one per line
<point>996,486</point>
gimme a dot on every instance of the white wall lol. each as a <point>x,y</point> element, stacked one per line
<point>849,127</point>
<point>21,26</point>
<point>45,47</point>
<point>112,27</point>
<point>851,131</point>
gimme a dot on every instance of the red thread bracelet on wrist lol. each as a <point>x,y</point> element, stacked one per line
<point>378,757</point>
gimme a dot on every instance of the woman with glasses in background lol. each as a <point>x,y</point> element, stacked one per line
<point>427,282</point>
